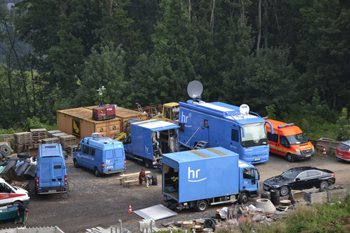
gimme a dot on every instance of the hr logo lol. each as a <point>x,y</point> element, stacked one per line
<point>194,175</point>
<point>184,118</point>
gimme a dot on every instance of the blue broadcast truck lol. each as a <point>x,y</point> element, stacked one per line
<point>149,139</point>
<point>51,172</point>
<point>218,124</point>
<point>103,155</point>
<point>198,178</point>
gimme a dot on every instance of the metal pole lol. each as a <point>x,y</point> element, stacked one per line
<point>151,226</point>
<point>121,228</point>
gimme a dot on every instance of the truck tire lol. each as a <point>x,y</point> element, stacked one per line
<point>284,191</point>
<point>148,163</point>
<point>289,157</point>
<point>97,173</point>
<point>202,205</point>
<point>243,198</point>
<point>210,223</point>
<point>5,150</point>
<point>76,164</point>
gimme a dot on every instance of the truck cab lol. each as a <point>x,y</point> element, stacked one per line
<point>51,170</point>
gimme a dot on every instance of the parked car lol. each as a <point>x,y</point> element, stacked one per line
<point>303,177</point>
<point>343,151</point>
<point>11,194</point>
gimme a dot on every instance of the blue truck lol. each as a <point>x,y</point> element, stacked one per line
<point>149,139</point>
<point>218,124</point>
<point>198,178</point>
<point>102,155</point>
<point>51,173</point>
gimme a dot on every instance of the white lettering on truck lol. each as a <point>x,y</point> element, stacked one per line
<point>194,175</point>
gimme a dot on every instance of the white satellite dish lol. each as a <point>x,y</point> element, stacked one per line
<point>244,109</point>
<point>195,89</point>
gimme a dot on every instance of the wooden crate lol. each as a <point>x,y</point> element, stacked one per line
<point>24,138</point>
<point>38,134</point>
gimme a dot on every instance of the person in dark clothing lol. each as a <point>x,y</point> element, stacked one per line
<point>22,213</point>
<point>143,177</point>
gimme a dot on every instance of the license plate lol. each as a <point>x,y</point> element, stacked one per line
<point>307,155</point>
<point>257,159</point>
<point>52,191</point>
<point>110,167</point>
<point>340,153</point>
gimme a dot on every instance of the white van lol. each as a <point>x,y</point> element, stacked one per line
<point>12,195</point>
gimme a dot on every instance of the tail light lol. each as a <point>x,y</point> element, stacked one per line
<point>124,161</point>
<point>103,165</point>
<point>37,182</point>
<point>155,160</point>
<point>333,175</point>
<point>65,180</point>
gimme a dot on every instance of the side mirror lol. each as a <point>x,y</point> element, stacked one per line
<point>297,179</point>
<point>74,149</point>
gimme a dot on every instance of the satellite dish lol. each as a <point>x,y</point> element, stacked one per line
<point>244,109</point>
<point>195,89</point>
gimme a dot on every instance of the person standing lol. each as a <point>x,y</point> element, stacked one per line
<point>22,213</point>
<point>143,177</point>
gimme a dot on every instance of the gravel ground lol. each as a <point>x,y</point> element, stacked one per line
<point>102,201</point>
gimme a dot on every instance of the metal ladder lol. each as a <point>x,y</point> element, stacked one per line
<point>200,145</point>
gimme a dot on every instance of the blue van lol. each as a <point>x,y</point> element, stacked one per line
<point>101,154</point>
<point>51,173</point>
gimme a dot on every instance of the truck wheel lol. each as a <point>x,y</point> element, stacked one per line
<point>202,205</point>
<point>289,157</point>
<point>284,190</point>
<point>243,198</point>
<point>97,173</point>
<point>148,163</point>
<point>76,164</point>
<point>17,203</point>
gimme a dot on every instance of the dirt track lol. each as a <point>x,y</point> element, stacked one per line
<point>102,201</point>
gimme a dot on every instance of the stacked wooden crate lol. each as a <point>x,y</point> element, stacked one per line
<point>51,132</point>
<point>50,140</point>
<point>22,141</point>
<point>37,136</point>
<point>68,142</point>
<point>57,135</point>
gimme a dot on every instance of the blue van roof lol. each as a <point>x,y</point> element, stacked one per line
<point>103,143</point>
<point>51,149</point>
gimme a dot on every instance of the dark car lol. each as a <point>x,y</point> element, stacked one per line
<point>299,178</point>
<point>343,151</point>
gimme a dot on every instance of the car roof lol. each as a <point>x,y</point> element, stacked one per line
<point>306,168</point>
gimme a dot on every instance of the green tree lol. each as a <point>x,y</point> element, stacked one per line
<point>343,126</point>
<point>106,69</point>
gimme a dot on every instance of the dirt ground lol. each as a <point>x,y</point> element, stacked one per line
<point>102,201</point>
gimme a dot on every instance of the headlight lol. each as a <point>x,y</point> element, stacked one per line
<point>298,152</point>
<point>275,186</point>
<point>313,149</point>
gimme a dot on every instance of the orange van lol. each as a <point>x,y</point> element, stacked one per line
<point>289,141</point>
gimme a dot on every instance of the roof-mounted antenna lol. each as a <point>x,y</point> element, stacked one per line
<point>195,90</point>
<point>244,109</point>
<point>100,93</point>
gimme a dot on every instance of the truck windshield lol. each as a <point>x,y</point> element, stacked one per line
<point>297,139</point>
<point>175,115</point>
<point>255,135</point>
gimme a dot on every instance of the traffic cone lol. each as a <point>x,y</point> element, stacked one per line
<point>130,210</point>
<point>324,151</point>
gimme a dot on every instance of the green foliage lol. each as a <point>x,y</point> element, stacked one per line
<point>35,123</point>
<point>343,126</point>
<point>271,109</point>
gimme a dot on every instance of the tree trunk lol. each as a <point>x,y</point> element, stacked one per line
<point>259,33</point>
<point>189,11</point>
<point>212,19</point>
<point>266,24</point>
<point>33,80</point>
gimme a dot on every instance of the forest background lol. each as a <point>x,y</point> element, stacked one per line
<point>288,59</point>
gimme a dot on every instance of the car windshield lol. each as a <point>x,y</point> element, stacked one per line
<point>297,139</point>
<point>290,174</point>
<point>255,135</point>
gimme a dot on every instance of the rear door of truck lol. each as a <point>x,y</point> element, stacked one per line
<point>58,171</point>
<point>45,172</point>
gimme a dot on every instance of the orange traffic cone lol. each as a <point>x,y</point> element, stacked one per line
<point>324,151</point>
<point>130,210</point>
